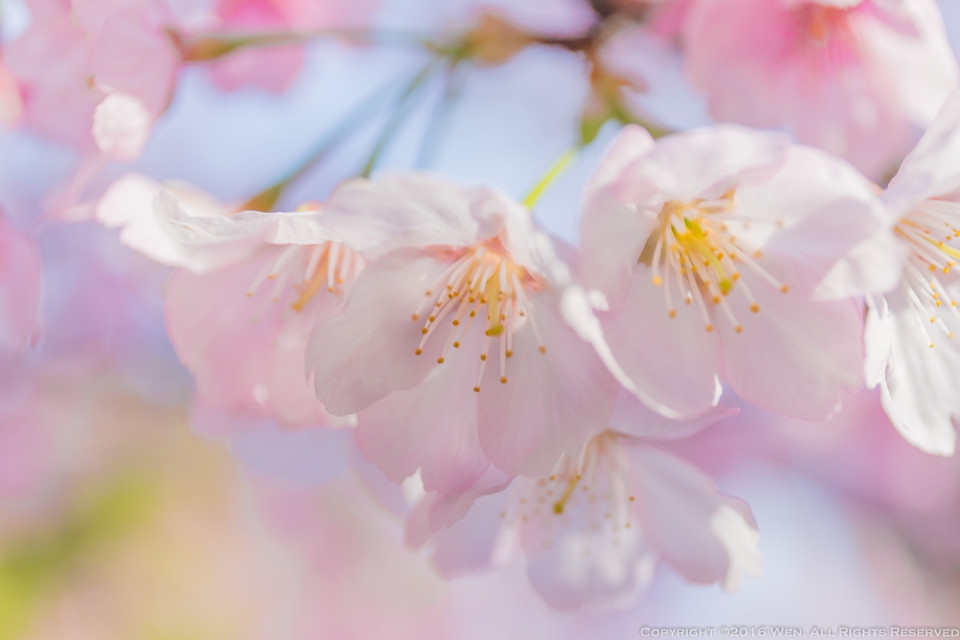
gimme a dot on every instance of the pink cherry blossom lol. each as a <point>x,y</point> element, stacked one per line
<point>593,530</point>
<point>11,102</point>
<point>709,246</point>
<point>275,68</point>
<point>241,326</point>
<point>856,78</point>
<point>51,62</point>
<point>451,347</point>
<point>94,74</point>
<point>911,350</point>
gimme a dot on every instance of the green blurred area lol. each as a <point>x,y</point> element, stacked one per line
<point>33,567</point>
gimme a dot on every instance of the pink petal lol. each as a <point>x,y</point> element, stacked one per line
<point>402,210</point>
<point>931,168</point>
<point>591,553</point>
<point>919,382</point>
<point>132,55</point>
<point>632,417</point>
<point>432,427</point>
<point>20,280</point>
<point>703,163</point>
<point>552,402</point>
<point>674,362</point>
<point>11,102</point>
<point>121,127</point>
<point>367,351</point>
<point>613,236</point>
<point>794,356</point>
<point>209,315</point>
<point>50,60</point>
<point>631,143</point>
<point>271,69</point>
<point>858,95</point>
<point>832,237</point>
<point>467,542</point>
<point>676,505</point>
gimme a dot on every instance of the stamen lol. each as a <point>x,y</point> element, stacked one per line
<point>922,229</point>
<point>694,247</point>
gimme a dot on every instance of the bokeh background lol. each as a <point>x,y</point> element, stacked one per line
<point>123,523</point>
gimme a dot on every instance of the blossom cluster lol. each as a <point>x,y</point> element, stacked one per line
<point>520,390</point>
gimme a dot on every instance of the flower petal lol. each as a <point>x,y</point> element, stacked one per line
<point>931,168</point>
<point>432,426</point>
<point>703,163</point>
<point>827,233</point>
<point>20,282</point>
<point>401,210</point>
<point>553,400</point>
<point>367,351</point>
<point>918,389</point>
<point>704,535</point>
<point>793,356</point>
<point>674,362</point>
<point>632,417</point>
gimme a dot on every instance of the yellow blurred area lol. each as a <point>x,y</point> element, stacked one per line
<point>139,541</point>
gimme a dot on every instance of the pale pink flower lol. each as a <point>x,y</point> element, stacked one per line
<point>451,347</point>
<point>11,102</point>
<point>857,78</point>
<point>593,530</point>
<point>242,329</point>
<point>51,63</point>
<point>96,74</point>
<point>251,288</point>
<point>911,350</point>
<point>708,246</point>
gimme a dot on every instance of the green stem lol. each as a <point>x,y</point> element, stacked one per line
<point>204,48</point>
<point>441,114</point>
<point>555,170</point>
<point>356,117</point>
<point>400,112</point>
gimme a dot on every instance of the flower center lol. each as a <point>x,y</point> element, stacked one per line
<point>693,253</point>
<point>823,22</point>
<point>928,229</point>
<point>591,493</point>
<point>300,272</point>
<point>482,281</point>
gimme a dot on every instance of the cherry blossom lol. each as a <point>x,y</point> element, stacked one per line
<point>911,350</point>
<point>275,68</point>
<point>450,347</point>
<point>709,246</point>
<point>857,78</point>
<point>251,288</point>
<point>11,102</point>
<point>96,75</point>
<point>593,530</point>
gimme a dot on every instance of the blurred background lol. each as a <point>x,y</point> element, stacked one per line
<point>119,521</point>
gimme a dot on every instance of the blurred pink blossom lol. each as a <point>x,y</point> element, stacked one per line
<point>593,530</point>
<point>11,102</point>
<point>20,280</point>
<point>95,74</point>
<point>275,68</point>
<point>253,287</point>
<point>857,78</point>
